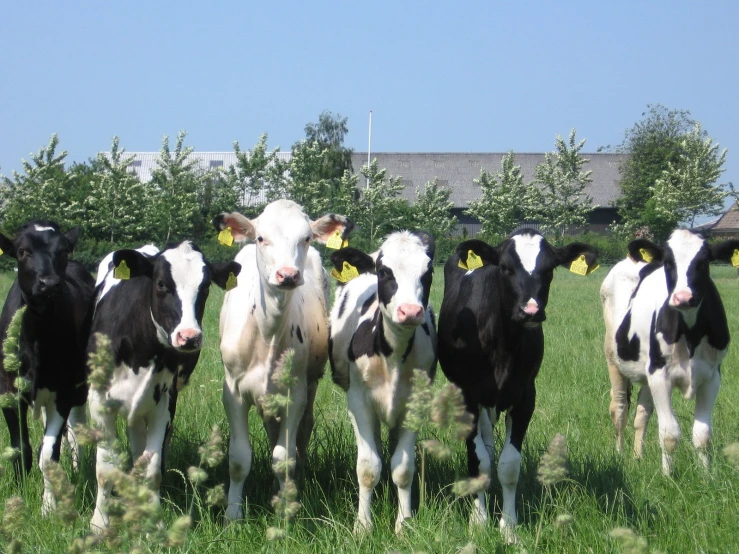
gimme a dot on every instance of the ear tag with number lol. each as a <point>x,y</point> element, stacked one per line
<point>348,272</point>
<point>579,266</point>
<point>735,258</point>
<point>225,237</point>
<point>335,241</point>
<point>645,255</point>
<point>232,282</point>
<point>122,271</point>
<point>473,261</point>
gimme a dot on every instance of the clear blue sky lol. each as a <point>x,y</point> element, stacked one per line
<point>439,76</point>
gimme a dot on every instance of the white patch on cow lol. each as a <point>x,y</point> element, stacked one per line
<point>405,254</point>
<point>162,335</point>
<point>528,248</point>
<point>43,228</point>
<point>685,247</point>
<point>187,265</point>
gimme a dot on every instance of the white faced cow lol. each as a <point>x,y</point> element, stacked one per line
<point>279,305</point>
<point>382,329</point>
<point>58,295</point>
<point>153,321</point>
<point>666,328</point>
<point>491,345</point>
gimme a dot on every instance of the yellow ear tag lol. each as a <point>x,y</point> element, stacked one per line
<point>122,271</point>
<point>1,251</point>
<point>645,255</point>
<point>735,259</point>
<point>473,261</point>
<point>335,241</point>
<point>348,272</point>
<point>592,268</point>
<point>579,266</point>
<point>232,282</point>
<point>225,237</point>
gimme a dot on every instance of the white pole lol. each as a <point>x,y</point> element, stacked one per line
<point>369,145</point>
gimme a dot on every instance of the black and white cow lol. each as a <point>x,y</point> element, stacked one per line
<point>382,329</point>
<point>58,295</point>
<point>491,345</point>
<point>666,328</point>
<point>153,321</point>
<point>279,305</point>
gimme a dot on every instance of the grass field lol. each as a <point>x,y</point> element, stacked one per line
<point>692,511</point>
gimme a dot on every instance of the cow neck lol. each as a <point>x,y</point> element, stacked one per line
<point>391,334</point>
<point>273,311</point>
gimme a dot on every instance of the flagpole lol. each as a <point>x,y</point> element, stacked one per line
<point>369,146</point>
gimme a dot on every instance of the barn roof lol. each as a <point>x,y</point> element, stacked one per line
<point>729,222</point>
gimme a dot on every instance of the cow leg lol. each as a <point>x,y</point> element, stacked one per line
<point>478,462</point>
<point>306,426</point>
<point>239,449</point>
<point>619,408</point>
<point>104,461</point>
<point>77,416</point>
<point>157,423</point>
<point>50,450</point>
<point>173,393</point>
<point>17,420</point>
<point>136,431</point>
<point>285,448</point>
<point>369,464</point>
<point>644,409</point>
<point>402,465</point>
<point>705,399</point>
<point>669,428</point>
<point>509,466</point>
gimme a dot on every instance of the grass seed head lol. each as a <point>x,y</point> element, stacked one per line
<point>178,531</point>
<point>63,491</point>
<point>197,475</point>
<point>216,497</point>
<point>732,453</point>
<point>101,364</point>
<point>11,344</point>
<point>275,534</point>
<point>630,542</point>
<point>10,454</point>
<point>473,485</point>
<point>553,466</point>
<point>87,435</point>
<point>437,449</point>
<point>14,516</point>
<point>448,412</point>
<point>211,453</point>
<point>419,402</point>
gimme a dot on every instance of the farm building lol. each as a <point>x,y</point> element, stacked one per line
<point>456,171</point>
<point>727,225</point>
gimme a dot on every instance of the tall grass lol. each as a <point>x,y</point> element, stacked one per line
<point>693,510</point>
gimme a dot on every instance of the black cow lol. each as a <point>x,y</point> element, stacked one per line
<point>491,344</point>
<point>57,294</point>
<point>153,320</point>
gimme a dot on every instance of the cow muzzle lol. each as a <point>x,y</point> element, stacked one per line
<point>189,340</point>
<point>410,314</point>
<point>682,300</point>
<point>47,287</point>
<point>288,278</point>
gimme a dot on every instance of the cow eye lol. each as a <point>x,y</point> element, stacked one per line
<point>22,252</point>
<point>260,239</point>
<point>161,286</point>
<point>307,239</point>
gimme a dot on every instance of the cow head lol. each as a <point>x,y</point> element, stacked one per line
<point>283,234</point>
<point>404,268</point>
<point>526,264</point>
<point>685,258</point>
<point>42,252</point>
<point>180,280</point>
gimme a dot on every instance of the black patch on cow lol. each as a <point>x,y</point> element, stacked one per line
<point>157,393</point>
<point>387,286</point>
<point>369,339</point>
<point>628,350</point>
<point>409,348</point>
<point>342,306</point>
<point>656,359</point>
<point>253,308</point>
<point>299,335</point>
<point>367,304</point>
<point>292,330</point>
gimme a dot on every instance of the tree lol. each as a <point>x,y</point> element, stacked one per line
<point>651,144</point>
<point>686,188</point>
<point>304,185</point>
<point>174,184</point>
<point>45,190</point>
<point>380,209</point>
<point>432,210</point>
<point>560,200</point>
<point>505,200</point>
<point>114,204</point>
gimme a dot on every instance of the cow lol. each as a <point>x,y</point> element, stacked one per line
<point>491,345</point>
<point>382,330</point>
<point>279,306</point>
<point>152,317</point>
<point>666,328</point>
<point>57,294</point>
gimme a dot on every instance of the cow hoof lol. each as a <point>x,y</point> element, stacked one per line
<point>401,524</point>
<point>98,523</point>
<point>509,535</point>
<point>362,528</point>
<point>48,504</point>
<point>233,513</point>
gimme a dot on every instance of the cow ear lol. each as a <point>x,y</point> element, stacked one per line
<point>242,228</point>
<point>481,249</point>
<point>643,250</point>
<point>7,246</point>
<point>137,263</point>
<point>726,251</point>
<point>428,241</point>
<point>364,263</point>
<point>329,225</point>
<point>72,235</point>
<point>571,252</point>
<point>221,272</point>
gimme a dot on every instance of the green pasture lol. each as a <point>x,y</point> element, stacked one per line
<point>692,511</point>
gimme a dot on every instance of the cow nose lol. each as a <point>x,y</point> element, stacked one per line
<point>410,313</point>
<point>287,276</point>
<point>531,307</point>
<point>189,339</point>
<point>682,298</point>
<point>48,284</point>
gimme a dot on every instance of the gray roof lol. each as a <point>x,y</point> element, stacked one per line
<point>454,170</point>
<point>729,222</point>
<point>457,171</point>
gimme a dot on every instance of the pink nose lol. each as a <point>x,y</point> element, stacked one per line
<point>410,313</point>
<point>531,308</point>
<point>189,337</point>
<point>682,297</point>
<point>287,275</point>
